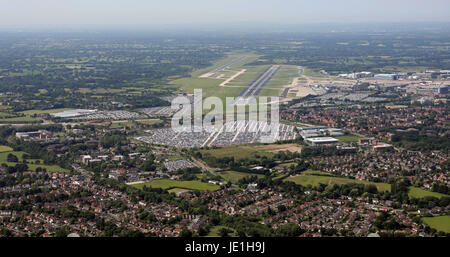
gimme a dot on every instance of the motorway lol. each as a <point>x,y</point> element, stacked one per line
<point>256,86</point>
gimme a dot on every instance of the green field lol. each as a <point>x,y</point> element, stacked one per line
<point>440,223</point>
<point>4,148</point>
<point>5,114</point>
<point>348,138</point>
<point>170,184</point>
<point>214,232</point>
<point>283,77</point>
<point>249,151</point>
<point>32,112</point>
<point>149,121</point>
<point>31,162</point>
<point>19,154</point>
<point>24,119</point>
<point>316,180</point>
<point>235,176</point>
<point>176,190</point>
<point>115,125</point>
<point>419,193</point>
<point>315,172</point>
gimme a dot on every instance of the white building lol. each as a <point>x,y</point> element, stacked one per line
<point>316,141</point>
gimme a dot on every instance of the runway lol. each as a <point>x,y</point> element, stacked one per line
<point>223,67</point>
<point>256,86</point>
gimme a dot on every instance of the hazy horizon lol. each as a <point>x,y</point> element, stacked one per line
<point>178,12</point>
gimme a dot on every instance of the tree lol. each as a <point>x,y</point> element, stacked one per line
<point>186,233</point>
<point>61,232</point>
<point>224,232</point>
<point>12,158</point>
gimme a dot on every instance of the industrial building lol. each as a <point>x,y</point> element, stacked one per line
<point>317,141</point>
<point>443,90</point>
<point>385,76</point>
<point>320,131</point>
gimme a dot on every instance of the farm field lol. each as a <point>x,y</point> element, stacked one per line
<point>316,180</point>
<point>235,176</point>
<point>440,223</point>
<point>419,193</point>
<point>170,184</point>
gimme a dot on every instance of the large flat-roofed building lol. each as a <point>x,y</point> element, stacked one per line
<point>385,76</point>
<point>316,141</point>
<point>320,131</point>
<point>443,90</point>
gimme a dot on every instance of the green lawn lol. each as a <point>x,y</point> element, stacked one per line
<point>4,148</point>
<point>237,151</point>
<point>419,193</point>
<point>19,154</point>
<point>348,138</point>
<point>316,180</point>
<point>31,112</point>
<point>176,190</point>
<point>5,114</point>
<point>235,176</point>
<point>315,172</point>
<point>24,119</point>
<point>150,121</point>
<point>170,184</point>
<point>441,223</point>
<point>31,162</point>
<point>283,77</point>
<point>249,151</point>
<point>214,232</point>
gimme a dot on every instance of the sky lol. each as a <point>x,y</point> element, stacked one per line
<point>151,12</point>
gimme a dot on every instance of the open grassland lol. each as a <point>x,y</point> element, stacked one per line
<point>440,223</point>
<point>270,92</point>
<point>235,176</point>
<point>250,151</point>
<point>419,193</point>
<point>316,180</point>
<point>170,184</point>
<point>283,77</point>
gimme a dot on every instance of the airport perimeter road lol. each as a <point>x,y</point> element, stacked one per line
<point>255,87</point>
